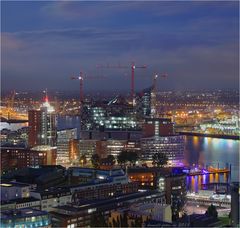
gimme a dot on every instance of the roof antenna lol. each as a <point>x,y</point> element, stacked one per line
<point>46,95</point>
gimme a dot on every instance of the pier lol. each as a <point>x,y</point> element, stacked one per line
<point>204,171</point>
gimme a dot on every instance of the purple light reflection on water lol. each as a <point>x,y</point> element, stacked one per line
<point>204,179</point>
<point>204,171</point>
<point>199,182</point>
<point>188,181</point>
<point>195,183</point>
<point>213,152</point>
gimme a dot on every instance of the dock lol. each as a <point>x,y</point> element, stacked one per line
<point>210,170</point>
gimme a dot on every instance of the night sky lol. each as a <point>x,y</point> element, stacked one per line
<point>44,43</point>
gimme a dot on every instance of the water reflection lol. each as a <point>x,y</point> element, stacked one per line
<point>225,176</point>
<point>213,152</point>
<point>206,181</point>
<point>12,126</point>
<point>202,151</point>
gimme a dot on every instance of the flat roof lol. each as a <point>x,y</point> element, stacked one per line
<point>7,184</point>
<point>20,200</point>
<point>20,213</point>
<point>53,190</point>
<point>98,203</point>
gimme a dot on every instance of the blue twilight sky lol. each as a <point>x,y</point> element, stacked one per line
<point>45,42</point>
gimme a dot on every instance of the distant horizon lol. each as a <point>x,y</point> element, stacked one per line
<point>105,92</point>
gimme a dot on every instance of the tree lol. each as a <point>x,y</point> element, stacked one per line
<point>212,211</point>
<point>122,158</point>
<point>111,159</point>
<point>127,156</point>
<point>95,159</point>
<point>83,160</point>
<point>98,220</point>
<point>132,157</point>
<point>160,159</point>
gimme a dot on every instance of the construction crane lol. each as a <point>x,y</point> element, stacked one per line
<point>81,78</point>
<point>10,109</point>
<point>46,95</point>
<point>154,96</point>
<point>133,66</point>
<point>164,75</point>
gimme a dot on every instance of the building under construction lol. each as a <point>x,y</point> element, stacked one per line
<point>118,113</point>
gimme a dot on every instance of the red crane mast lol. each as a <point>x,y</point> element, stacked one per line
<point>82,77</point>
<point>133,66</point>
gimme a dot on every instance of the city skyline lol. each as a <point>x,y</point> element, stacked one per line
<point>119,113</point>
<point>44,43</point>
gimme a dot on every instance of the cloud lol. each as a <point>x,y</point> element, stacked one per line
<point>11,42</point>
<point>71,10</point>
<point>85,10</point>
<point>59,53</point>
<point>201,51</point>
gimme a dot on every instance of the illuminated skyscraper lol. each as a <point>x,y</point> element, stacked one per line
<point>42,126</point>
<point>143,102</point>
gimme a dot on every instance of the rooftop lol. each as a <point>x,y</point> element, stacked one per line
<point>53,191</point>
<point>13,184</point>
<point>90,204</point>
<point>20,200</point>
<point>20,213</point>
<point>166,171</point>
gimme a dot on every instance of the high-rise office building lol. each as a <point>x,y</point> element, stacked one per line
<point>64,138</point>
<point>34,121</point>
<point>171,146</point>
<point>159,137</point>
<point>143,102</point>
<point>42,126</point>
<point>146,102</point>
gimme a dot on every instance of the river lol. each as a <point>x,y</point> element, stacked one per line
<point>216,152</point>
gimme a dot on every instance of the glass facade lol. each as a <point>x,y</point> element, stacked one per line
<point>63,139</point>
<point>144,102</point>
<point>172,146</point>
<point>87,148</point>
<point>115,147</point>
<point>25,218</point>
<point>114,115</point>
<point>48,127</point>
